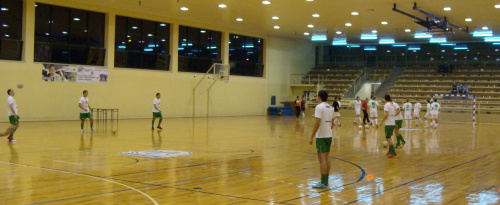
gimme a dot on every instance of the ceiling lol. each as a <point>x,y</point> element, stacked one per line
<point>295,15</point>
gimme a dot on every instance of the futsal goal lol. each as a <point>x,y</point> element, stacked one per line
<point>456,108</point>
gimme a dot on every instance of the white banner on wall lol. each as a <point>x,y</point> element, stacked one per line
<point>74,73</point>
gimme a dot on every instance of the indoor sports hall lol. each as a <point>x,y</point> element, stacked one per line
<point>217,101</point>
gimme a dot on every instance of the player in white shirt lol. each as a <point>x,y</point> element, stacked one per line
<point>85,110</point>
<point>416,112</point>
<point>435,110</point>
<point>427,116</point>
<point>13,114</point>
<point>336,106</point>
<point>407,107</point>
<point>389,120</point>
<point>399,124</point>
<point>156,111</point>
<point>322,130</point>
<point>357,109</point>
<point>373,104</point>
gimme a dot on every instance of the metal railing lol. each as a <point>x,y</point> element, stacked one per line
<point>310,79</point>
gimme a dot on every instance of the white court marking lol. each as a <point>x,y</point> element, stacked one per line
<point>98,178</point>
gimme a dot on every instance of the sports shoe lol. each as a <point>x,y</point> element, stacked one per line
<point>355,123</point>
<point>319,185</point>
<point>392,155</point>
<point>91,129</point>
<point>340,125</point>
<point>12,140</point>
<point>83,131</point>
<point>159,127</point>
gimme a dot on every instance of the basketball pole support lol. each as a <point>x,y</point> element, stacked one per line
<point>208,96</point>
<point>194,89</point>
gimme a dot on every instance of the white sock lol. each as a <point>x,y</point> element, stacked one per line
<point>335,121</point>
<point>376,122</point>
<point>436,125</point>
<point>410,124</point>
<point>360,121</point>
<point>303,114</point>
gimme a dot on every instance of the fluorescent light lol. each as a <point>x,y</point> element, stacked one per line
<point>306,33</point>
<point>338,32</point>
<point>482,33</point>
<point>4,9</point>
<point>447,8</point>
<point>386,41</point>
<point>388,51</point>
<point>150,34</point>
<point>353,46</point>
<point>348,24</point>
<point>370,48</point>
<point>318,37</point>
<point>239,19</point>
<point>134,27</point>
<point>485,28</point>
<point>266,2</point>
<point>76,19</point>
<point>497,6</point>
<point>339,41</point>
<point>5,25</point>
<point>184,8</point>
<point>7,35</point>
<point>368,36</point>
<point>492,39</point>
<point>315,15</point>
<point>413,48</point>
<point>64,32</point>
<point>461,47</point>
<point>276,27</point>
<point>399,45</point>
<point>354,13</point>
<point>447,44</point>
<point>202,31</point>
<point>496,43</point>
<point>407,30</point>
<point>374,31</point>
<point>310,26</point>
<point>384,23</point>
<point>422,35</point>
<point>275,17</point>
<point>162,24</point>
<point>468,19</point>
<point>47,34</point>
<point>222,6</point>
<point>438,40</point>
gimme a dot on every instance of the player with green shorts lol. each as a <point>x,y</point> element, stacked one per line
<point>390,123</point>
<point>13,114</point>
<point>85,111</point>
<point>399,124</point>
<point>157,111</point>
<point>323,132</point>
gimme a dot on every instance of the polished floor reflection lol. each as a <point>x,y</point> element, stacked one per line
<point>246,160</point>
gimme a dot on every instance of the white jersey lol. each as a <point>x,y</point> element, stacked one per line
<point>407,108</point>
<point>84,102</point>
<point>357,104</point>
<point>435,107</point>
<point>417,108</point>
<point>324,112</point>
<point>428,107</point>
<point>389,107</point>
<point>399,116</point>
<point>373,105</point>
<point>12,101</point>
<point>156,102</point>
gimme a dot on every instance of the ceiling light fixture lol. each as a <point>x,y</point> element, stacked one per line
<point>239,19</point>
<point>468,19</point>
<point>354,13</point>
<point>338,32</point>
<point>310,26</point>
<point>407,30</point>
<point>306,33</point>
<point>276,27</point>
<point>384,23</point>
<point>266,2</point>
<point>374,31</point>
<point>348,24</point>
<point>447,8</point>
<point>275,17</point>
<point>485,28</point>
<point>222,6</point>
<point>315,15</point>
<point>184,8</point>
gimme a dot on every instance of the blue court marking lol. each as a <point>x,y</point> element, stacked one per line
<point>447,169</point>
<point>361,177</point>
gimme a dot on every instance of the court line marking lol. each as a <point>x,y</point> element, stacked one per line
<point>361,177</point>
<point>404,184</point>
<point>85,175</point>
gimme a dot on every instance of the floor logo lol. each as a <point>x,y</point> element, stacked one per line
<point>157,153</point>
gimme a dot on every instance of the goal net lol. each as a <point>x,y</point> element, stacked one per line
<point>456,108</point>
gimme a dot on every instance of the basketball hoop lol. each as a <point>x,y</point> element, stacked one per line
<point>221,72</point>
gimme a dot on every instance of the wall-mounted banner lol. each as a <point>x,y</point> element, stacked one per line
<point>74,73</point>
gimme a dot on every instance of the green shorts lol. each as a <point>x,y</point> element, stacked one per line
<point>157,115</point>
<point>13,121</point>
<point>389,129</point>
<point>85,115</point>
<point>399,123</point>
<point>323,144</point>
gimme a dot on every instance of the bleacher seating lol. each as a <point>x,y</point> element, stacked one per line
<point>380,74</point>
<point>421,83</point>
<point>336,81</point>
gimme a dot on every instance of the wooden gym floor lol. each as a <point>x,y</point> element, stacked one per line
<point>246,160</point>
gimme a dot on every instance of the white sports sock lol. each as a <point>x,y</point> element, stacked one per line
<point>360,121</point>
<point>303,115</point>
<point>335,121</point>
<point>436,125</point>
<point>409,124</point>
<point>376,122</point>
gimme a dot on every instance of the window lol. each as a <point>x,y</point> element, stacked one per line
<point>198,49</point>
<point>66,35</point>
<point>11,37</point>
<point>142,44</point>
<point>246,55</point>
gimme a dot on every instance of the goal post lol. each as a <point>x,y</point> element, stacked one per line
<point>457,108</point>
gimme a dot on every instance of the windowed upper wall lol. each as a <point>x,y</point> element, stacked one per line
<point>198,49</point>
<point>11,21</point>
<point>246,55</point>
<point>66,35</point>
<point>142,44</point>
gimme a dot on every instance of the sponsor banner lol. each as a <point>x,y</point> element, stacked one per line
<point>157,153</point>
<point>74,73</point>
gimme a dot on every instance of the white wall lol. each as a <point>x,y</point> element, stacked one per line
<point>365,91</point>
